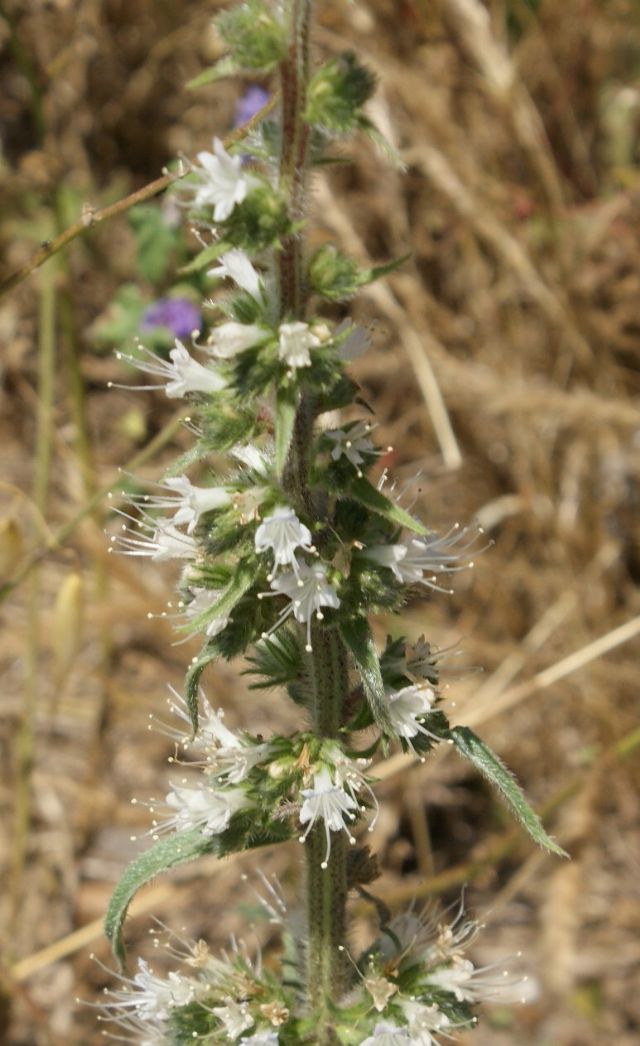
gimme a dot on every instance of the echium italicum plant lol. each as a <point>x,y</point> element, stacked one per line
<point>284,558</point>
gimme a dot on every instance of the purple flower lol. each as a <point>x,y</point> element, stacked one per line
<point>179,315</point>
<point>251,102</point>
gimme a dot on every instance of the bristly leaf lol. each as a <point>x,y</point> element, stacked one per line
<point>246,831</point>
<point>285,418</point>
<point>190,457</point>
<point>338,91</point>
<point>492,767</point>
<point>208,654</point>
<point>166,854</point>
<point>276,661</point>
<point>205,257</point>
<point>368,495</point>
<point>357,636</point>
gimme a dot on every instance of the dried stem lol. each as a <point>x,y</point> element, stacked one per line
<point>91,217</point>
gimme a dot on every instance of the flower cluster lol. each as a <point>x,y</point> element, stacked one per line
<point>415,985</point>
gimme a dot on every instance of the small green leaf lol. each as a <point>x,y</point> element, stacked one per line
<point>368,495</point>
<point>357,636</point>
<point>205,257</point>
<point>227,66</point>
<point>492,767</point>
<point>285,420</point>
<point>168,853</point>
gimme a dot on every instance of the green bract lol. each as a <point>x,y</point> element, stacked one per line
<point>338,91</point>
<point>255,34</point>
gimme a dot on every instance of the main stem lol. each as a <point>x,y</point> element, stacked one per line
<point>328,670</point>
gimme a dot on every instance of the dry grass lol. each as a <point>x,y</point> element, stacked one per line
<point>505,364</point>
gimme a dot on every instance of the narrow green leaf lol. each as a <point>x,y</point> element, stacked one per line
<point>357,636</point>
<point>225,67</point>
<point>383,143</point>
<point>285,420</point>
<point>491,766</point>
<point>168,853</point>
<point>378,271</point>
<point>208,654</point>
<point>368,495</point>
<point>240,583</point>
<point>205,257</point>
<point>248,830</point>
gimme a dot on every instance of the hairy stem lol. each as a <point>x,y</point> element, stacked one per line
<point>294,77</point>
<point>326,886</point>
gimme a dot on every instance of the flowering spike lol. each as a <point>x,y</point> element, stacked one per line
<point>294,499</point>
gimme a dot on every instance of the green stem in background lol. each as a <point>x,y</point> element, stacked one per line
<point>84,455</point>
<point>59,536</point>
<point>31,74</point>
<point>25,735</point>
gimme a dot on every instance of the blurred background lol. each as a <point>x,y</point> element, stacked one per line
<point>505,374</point>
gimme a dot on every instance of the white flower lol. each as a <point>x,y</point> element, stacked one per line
<point>283,532</point>
<point>157,996</point>
<point>228,754</point>
<point>294,343</point>
<point>235,1016</point>
<point>421,661</point>
<point>203,600</point>
<point>187,501</point>
<point>308,590</point>
<point>406,706</point>
<point>262,1038</point>
<point>329,802</point>
<point>457,979</point>
<point>231,338</point>
<point>387,556</point>
<point>164,543</point>
<point>182,375</point>
<point>410,558</point>
<point>150,997</point>
<point>203,807</point>
<point>387,1034</point>
<point>221,181</point>
<point>142,1032</point>
<point>236,265</point>
<point>469,983</point>
<point>422,1020</point>
<point>195,501</point>
<point>353,443</point>
<point>252,458</point>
